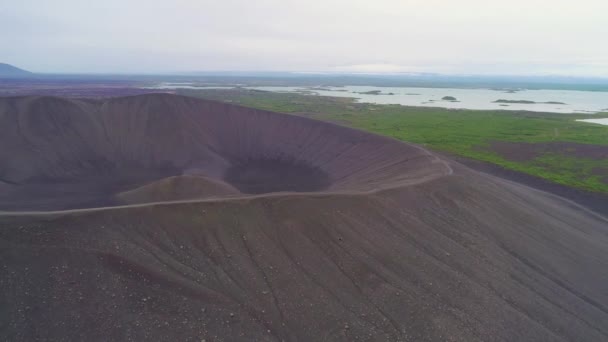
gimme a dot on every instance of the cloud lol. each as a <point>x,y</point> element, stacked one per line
<point>373,68</point>
<point>466,36</point>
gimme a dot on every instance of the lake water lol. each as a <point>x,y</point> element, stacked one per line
<point>562,101</point>
<point>596,121</point>
<point>574,101</point>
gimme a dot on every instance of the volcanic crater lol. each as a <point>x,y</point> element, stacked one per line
<point>160,217</point>
<point>67,154</point>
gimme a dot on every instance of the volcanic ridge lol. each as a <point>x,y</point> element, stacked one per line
<point>173,218</point>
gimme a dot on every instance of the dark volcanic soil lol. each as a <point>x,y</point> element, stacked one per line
<point>303,231</point>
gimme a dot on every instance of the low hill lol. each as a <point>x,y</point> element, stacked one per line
<point>7,70</point>
<point>177,188</point>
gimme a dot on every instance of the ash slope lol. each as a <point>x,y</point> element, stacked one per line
<point>429,255</point>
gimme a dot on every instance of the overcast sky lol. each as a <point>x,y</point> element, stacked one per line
<point>445,36</point>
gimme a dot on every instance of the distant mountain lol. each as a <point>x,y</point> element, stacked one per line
<point>7,70</point>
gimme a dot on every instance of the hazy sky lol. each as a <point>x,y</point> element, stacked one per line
<point>446,36</point>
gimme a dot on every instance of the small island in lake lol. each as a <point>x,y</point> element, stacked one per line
<point>319,88</point>
<point>374,92</point>
<point>527,102</point>
<point>507,90</point>
<point>450,98</point>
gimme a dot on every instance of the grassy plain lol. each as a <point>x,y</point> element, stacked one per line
<point>466,133</point>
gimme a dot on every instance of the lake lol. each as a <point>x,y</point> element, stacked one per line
<point>596,121</point>
<point>555,101</point>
